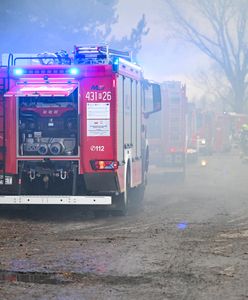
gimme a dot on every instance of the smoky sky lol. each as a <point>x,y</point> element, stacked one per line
<point>31,26</point>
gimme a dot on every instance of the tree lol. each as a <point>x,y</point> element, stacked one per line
<point>219,29</point>
<point>209,83</point>
<point>134,41</point>
<point>29,26</point>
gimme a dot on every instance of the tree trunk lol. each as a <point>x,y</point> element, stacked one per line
<point>239,95</point>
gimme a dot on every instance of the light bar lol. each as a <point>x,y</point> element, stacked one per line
<point>20,71</point>
<point>115,65</point>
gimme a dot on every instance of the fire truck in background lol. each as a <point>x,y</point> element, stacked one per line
<point>212,132</point>
<point>167,130</point>
<point>222,133</point>
<point>205,123</point>
<point>73,129</point>
<point>237,121</point>
<point>192,138</point>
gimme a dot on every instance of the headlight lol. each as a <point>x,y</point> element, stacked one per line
<point>203,142</point>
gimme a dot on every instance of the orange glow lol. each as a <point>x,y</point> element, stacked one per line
<point>101,164</point>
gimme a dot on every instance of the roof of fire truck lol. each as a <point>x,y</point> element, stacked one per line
<point>57,74</point>
<point>89,56</point>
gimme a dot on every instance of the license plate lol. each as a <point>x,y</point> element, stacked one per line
<point>8,180</point>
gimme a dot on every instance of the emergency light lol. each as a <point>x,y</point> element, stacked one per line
<point>18,71</point>
<point>104,164</point>
<point>73,71</point>
<point>115,64</point>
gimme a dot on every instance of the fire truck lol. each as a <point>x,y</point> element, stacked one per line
<point>167,129</point>
<point>222,141</point>
<point>237,121</point>
<point>205,121</point>
<point>73,129</point>
<point>191,133</point>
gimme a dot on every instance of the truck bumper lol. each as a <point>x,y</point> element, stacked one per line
<point>57,200</point>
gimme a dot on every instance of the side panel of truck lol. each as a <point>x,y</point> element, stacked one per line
<point>168,129</point>
<point>97,121</point>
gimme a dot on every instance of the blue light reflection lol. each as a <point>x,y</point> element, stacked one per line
<point>182,226</point>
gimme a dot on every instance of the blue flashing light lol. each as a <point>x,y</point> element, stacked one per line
<point>18,71</point>
<point>73,71</point>
<point>116,64</point>
<point>182,226</point>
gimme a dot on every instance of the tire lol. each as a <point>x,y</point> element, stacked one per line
<point>137,194</point>
<point>122,200</point>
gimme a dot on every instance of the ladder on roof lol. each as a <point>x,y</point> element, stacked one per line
<point>94,54</point>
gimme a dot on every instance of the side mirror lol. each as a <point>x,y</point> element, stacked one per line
<point>156,93</point>
<point>152,98</point>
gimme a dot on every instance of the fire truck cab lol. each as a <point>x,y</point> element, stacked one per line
<point>72,129</point>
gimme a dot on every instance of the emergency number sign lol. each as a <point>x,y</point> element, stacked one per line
<point>98,119</point>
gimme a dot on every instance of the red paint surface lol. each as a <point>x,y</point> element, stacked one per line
<point>97,147</point>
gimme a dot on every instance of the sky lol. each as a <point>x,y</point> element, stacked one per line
<point>161,58</point>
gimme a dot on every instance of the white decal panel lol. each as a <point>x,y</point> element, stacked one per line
<point>98,127</point>
<point>98,119</point>
<point>98,111</point>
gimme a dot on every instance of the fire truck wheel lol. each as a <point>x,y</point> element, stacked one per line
<point>122,200</point>
<point>138,194</point>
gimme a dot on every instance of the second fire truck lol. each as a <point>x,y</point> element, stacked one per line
<point>167,129</point>
<point>72,129</point>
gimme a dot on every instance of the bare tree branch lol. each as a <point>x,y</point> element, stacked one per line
<point>222,36</point>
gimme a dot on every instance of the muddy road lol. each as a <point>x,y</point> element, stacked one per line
<point>189,240</point>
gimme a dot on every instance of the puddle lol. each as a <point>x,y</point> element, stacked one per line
<point>68,277</point>
<point>33,277</point>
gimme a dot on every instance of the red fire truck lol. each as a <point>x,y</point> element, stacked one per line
<point>205,122</point>
<point>237,121</point>
<point>222,140</point>
<point>167,130</point>
<point>72,129</point>
<point>191,133</point>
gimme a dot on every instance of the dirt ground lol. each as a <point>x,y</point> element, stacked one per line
<point>189,240</point>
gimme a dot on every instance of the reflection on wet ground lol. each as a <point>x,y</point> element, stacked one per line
<point>33,277</point>
<point>70,277</point>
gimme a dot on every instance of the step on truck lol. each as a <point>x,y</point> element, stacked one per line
<point>73,129</point>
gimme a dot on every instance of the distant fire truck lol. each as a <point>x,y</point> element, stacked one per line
<point>167,130</point>
<point>72,130</point>
<point>192,138</point>
<point>222,141</point>
<point>237,121</point>
<point>205,122</point>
